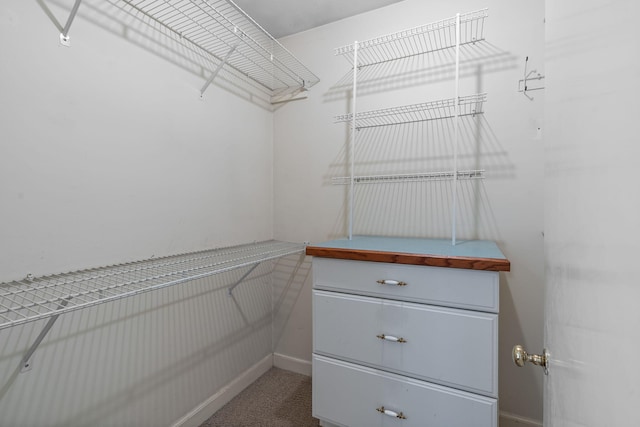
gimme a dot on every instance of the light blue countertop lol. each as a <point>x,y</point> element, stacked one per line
<point>418,246</point>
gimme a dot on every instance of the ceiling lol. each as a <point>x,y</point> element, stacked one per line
<point>284,17</point>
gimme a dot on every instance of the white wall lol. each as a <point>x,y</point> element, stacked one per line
<point>108,135</point>
<point>506,206</point>
<point>107,155</point>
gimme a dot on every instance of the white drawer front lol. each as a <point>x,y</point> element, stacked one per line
<point>448,346</point>
<point>348,395</point>
<point>450,287</point>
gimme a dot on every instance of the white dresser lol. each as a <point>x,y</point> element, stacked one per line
<point>405,332</point>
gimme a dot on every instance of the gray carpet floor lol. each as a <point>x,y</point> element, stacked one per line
<point>279,398</point>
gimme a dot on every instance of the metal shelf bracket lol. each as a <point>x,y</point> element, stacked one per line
<point>64,35</point>
<point>25,362</point>
<point>253,267</point>
<point>220,65</point>
<point>296,95</point>
<point>244,276</point>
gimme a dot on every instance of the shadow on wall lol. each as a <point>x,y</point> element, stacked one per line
<point>144,32</point>
<point>289,278</point>
<point>113,362</point>
<point>420,148</point>
<point>421,207</point>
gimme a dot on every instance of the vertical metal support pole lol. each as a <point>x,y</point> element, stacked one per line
<point>64,35</point>
<point>352,141</point>
<point>454,205</point>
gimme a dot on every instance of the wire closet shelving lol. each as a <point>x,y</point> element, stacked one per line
<point>230,37</point>
<point>36,298</point>
<point>409,177</point>
<point>433,110</point>
<point>419,40</point>
<point>447,34</point>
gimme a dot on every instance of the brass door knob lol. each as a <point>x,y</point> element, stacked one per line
<point>520,357</point>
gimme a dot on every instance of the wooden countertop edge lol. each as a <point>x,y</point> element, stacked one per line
<point>469,263</point>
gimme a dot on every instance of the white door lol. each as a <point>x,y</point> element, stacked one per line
<point>592,213</point>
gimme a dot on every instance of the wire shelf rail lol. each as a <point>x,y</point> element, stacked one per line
<point>232,38</point>
<point>410,177</point>
<point>434,110</point>
<point>32,299</point>
<point>426,38</point>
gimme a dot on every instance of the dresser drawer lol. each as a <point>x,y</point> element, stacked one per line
<point>448,346</point>
<point>349,395</point>
<point>450,287</point>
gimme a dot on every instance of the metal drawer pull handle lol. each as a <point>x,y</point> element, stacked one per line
<point>391,282</point>
<point>391,413</point>
<point>391,338</point>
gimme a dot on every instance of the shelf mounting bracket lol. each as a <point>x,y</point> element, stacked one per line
<point>25,362</point>
<point>244,276</point>
<point>297,95</point>
<point>64,35</point>
<point>219,67</point>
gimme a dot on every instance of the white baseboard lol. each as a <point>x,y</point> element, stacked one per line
<point>511,420</point>
<point>293,364</point>
<point>209,407</point>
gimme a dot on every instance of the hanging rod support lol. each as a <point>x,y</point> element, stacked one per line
<point>297,95</point>
<point>25,362</point>
<point>64,35</point>
<point>525,85</point>
<point>244,276</point>
<point>218,68</point>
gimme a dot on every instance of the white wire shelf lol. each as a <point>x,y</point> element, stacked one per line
<point>232,38</point>
<point>32,299</point>
<point>426,38</point>
<point>433,110</point>
<point>412,177</point>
